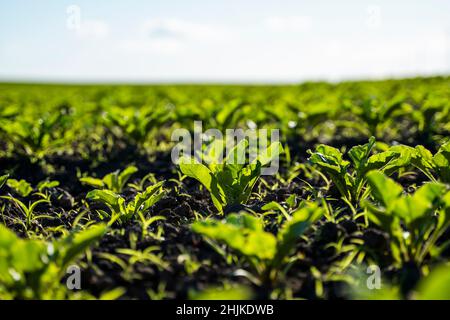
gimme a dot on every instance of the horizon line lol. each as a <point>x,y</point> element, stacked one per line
<point>210,81</point>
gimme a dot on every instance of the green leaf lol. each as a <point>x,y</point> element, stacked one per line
<point>111,181</point>
<point>384,189</point>
<point>201,173</point>
<point>386,162</point>
<point>113,294</point>
<point>398,157</point>
<point>329,160</point>
<point>196,170</point>
<point>386,192</point>
<point>7,237</point>
<point>424,158</point>
<point>422,203</point>
<point>360,154</point>
<point>213,154</point>
<point>275,206</point>
<point>236,158</point>
<point>266,156</point>
<point>114,201</point>
<point>47,185</point>
<point>436,285</point>
<point>245,221</point>
<point>238,292</point>
<point>3,179</point>
<point>232,182</point>
<point>22,187</point>
<point>441,161</point>
<point>150,196</point>
<point>77,243</point>
<point>28,256</point>
<point>292,229</point>
<point>93,182</point>
<point>241,232</point>
<point>125,175</point>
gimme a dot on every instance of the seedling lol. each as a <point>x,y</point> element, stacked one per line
<point>377,115</point>
<point>230,183</point>
<point>133,125</point>
<point>21,187</point>
<point>28,211</point>
<point>31,269</point>
<point>414,222</point>
<point>114,182</point>
<point>36,138</point>
<point>350,183</point>
<point>245,235</point>
<point>123,212</point>
<point>435,167</point>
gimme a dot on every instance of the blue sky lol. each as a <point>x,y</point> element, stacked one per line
<point>244,41</point>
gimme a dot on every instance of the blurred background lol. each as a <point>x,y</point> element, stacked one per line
<point>230,41</point>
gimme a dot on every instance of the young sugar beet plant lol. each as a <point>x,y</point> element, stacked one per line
<point>133,125</point>
<point>377,115</point>
<point>229,182</point>
<point>266,254</point>
<point>114,181</point>
<point>23,188</point>
<point>436,167</point>
<point>37,138</point>
<point>414,222</point>
<point>349,177</point>
<point>122,212</point>
<point>32,269</point>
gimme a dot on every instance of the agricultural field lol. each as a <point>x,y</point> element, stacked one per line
<point>92,205</point>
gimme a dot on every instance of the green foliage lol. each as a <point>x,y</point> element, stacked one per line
<point>435,285</point>
<point>245,235</point>
<point>3,180</point>
<point>28,211</point>
<point>377,115</point>
<point>123,212</point>
<point>37,138</point>
<point>350,183</point>
<point>114,181</point>
<point>30,269</point>
<point>232,181</point>
<point>226,292</point>
<point>133,125</point>
<point>47,184</point>
<point>22,187</point>
<point>414,222</point>
<point>50,131</point>
<point>440,163</point>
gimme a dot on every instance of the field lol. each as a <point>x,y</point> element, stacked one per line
<point>92,205</point>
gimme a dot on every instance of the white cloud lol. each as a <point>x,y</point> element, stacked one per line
<point>166,46</point>
<point>93,29</point>
<point>289,23</point>
<point>182,30</point>
<point>170,36</point>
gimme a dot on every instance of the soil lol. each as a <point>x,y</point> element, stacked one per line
<point>179,209</point>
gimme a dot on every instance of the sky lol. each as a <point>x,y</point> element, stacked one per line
<point>222,41</point>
